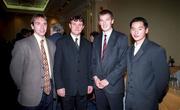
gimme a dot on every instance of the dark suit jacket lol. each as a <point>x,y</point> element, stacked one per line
<point>148,76</point>
<point>27,71</point>
<point>55,37</point>
<point>72,66</point>
<point>114,62</point>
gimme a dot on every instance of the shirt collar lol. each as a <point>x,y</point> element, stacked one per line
<point>74,37</point>
<point>39,38</point>
<point>137,45</point>
<point>108,33</point>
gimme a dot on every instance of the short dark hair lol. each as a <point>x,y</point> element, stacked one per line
<point>37,16</point>
<point>136,19</point>
<point>76,18</point>
<point>105,11</point>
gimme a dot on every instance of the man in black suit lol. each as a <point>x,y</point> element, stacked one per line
<point>148,73</point>
<point>109,64</point>
<point>72,67</point>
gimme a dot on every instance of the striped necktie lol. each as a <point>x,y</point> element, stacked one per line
<point>104,47</point>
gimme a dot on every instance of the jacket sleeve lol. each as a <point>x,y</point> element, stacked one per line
<point>58,59</point>
<point>161,71</point>
<point>17,63</point>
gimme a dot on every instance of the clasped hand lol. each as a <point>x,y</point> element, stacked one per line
<point>100,83</point>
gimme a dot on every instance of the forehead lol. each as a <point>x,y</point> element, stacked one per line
<point>137,24</point>
<point>104,16</point>
<point>76,22</point>
<point>39,19</point>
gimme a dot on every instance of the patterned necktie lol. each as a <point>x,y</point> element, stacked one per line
<point>47,83</point>
<point>104,47</point>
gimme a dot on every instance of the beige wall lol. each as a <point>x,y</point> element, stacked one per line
<point>18,21</point>
<point>163,17</point>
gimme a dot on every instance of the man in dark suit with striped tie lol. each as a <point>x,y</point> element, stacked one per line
<point>109,64</point>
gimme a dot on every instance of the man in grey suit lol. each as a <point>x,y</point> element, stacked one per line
<point>27,68</point>
<point>147,67</point>
<point>109,64</point>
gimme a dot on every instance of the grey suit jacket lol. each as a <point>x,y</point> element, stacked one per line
<point>148,76</point>
<point>26,69</point>
<point>114,61</point>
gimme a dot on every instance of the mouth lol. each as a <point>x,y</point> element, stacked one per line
<point>136,36</point>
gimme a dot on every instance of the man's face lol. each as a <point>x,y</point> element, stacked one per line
<point>138,31</point>
<point>76,27</point>
<point>105,21</point>
<point>39,26</point>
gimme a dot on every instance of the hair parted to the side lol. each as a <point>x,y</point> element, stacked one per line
<point>37,16</point>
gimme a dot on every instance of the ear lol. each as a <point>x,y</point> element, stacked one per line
<point>70,25</point>
<point>83,27</point>
<point>32,26</point>
<point>112,21</point>
<point>147,30</point>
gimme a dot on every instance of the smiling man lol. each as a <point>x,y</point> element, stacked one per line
<point>32,67</point>
<point>109,64</point>
<point>147,69</point>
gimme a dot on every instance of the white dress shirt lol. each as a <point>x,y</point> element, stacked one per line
<point>108,34</point>
<point>38,38</point>
<point>137,47</point>
<point>75,37</point>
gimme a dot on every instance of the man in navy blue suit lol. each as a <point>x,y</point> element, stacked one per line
<point>109,64</point>
<point>147,69</point>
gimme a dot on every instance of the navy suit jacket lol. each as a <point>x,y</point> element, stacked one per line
<point>148,76</point>
<point>55,37</point>
<point>113,65</point>
<point>72,66</point>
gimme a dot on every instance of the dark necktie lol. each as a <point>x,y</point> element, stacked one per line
<point>76,42</point>
<point>47,83</point>
<point>104,47</point>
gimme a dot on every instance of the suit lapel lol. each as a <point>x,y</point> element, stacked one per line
<point>35,46</point>
<point>130,58</point>
<point>141,50</point>
<point>138,55</point>
<point>50,50</point>
<point>99,44</point>
<point>110,46</point>
<point>72,43</point>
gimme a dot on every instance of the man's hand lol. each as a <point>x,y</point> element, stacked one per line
<point>104,83</point>
<point>61,92</point>
<point>90,89</point>
<point>98,82</point>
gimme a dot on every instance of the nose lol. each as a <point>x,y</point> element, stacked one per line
<point>136,32</point>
